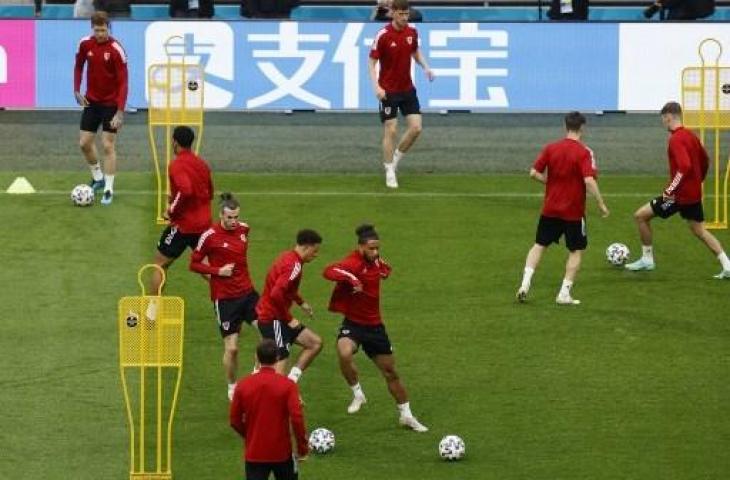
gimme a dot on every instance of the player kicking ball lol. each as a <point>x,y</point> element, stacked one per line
<point>567,168</point>
<point>688,164</point>
<point>357,297</point>
<point>103,102</point>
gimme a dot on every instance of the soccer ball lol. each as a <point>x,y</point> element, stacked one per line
<point>82,195</point>
<point>321,440</point>
<point>617,254</point>
<point>452,448</point>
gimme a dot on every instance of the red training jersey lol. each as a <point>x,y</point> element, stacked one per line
<point>568,162</point>
<point>264,406</point>
<point>191,190</point>
<point>352,271</point>
<point>394,49</point>
<point>106,73</point>
<point>688,164</point>
<point>281,288</point>
<point>221,247</point>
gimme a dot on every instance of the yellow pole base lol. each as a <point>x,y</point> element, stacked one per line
<point>150,476</point>
<point>716,225</point>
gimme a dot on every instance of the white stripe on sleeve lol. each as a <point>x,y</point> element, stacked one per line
<point>295,271</point>
<point>346,273</point>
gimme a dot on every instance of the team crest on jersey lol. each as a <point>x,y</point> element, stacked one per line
<point>243,237</point>
<point>226,325</point>
<point>225,244</point>
<point>409,40</point>
<point>107,55</point>
<point>90,54</point>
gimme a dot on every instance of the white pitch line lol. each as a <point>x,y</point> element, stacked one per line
<point>372,194</point>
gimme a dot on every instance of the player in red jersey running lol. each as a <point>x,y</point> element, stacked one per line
<point>280,291</point>
<point>222,255</point>
<point>393,47</point>
<point>357,297</point>
<point>103,102</point>
<point>688,164</point>
<point>571,170</point>
<point>188,211</point>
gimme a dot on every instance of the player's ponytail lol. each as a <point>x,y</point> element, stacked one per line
<point>365,233</point>
<point>228,201</point>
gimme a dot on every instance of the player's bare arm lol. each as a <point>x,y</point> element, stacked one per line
<point>226,270</point>
<point>307,309</point>
<point>421,60</point>
<point>538,176</point>
<point>592,187</point>
<point>117,119</point>
<point>81,99</point>
<point>379,92</point>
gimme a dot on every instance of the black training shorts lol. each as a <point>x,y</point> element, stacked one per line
<point>282,470</point>
<point>406,102</point>
<point>373,340</point>
<point>280,332</point>
<point>550,229</point>
<point>95,115</point>
<point>666,208</point>
<point>232,312</point>
<point>173,242</point>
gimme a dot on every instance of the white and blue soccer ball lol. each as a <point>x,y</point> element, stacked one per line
<point>321,440</point>
<point>452,448</point>
<point>617,254</point>
<point>82,195</point>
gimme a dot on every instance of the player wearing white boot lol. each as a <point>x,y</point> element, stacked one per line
<point>688,164</point>
<point>568,169</point>
<point>357,297</point>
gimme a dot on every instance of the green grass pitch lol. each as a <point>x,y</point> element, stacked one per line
<point>632,384</point>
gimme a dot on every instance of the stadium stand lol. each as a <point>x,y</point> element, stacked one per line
<point>361,10</point>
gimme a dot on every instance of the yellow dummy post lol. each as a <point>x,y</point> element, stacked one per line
<point>706,108</point>
<point>150,364</point>
<point>175,92</point>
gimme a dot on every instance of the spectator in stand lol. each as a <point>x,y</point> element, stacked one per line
<point>382,13</point>
<point>267,8</point>
<point>569,10</point>
<point>114,8</point>
<point>681,9</point>
<point>192,8</point>
<point>82,8</point>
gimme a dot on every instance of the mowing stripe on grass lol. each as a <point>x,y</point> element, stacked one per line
<point>373,194</point>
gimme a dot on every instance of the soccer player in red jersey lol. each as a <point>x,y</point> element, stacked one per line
<point>280,291</point>
<point>571,170</point>
<point>103,102</point>
<point>688,164</point>
<point>222,255</point>
<point>357,297</point>
<point>265,411</point>
<point>393,48</point>
<point>188,211</point>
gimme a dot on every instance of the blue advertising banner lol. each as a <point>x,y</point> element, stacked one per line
<point>294,65</point>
